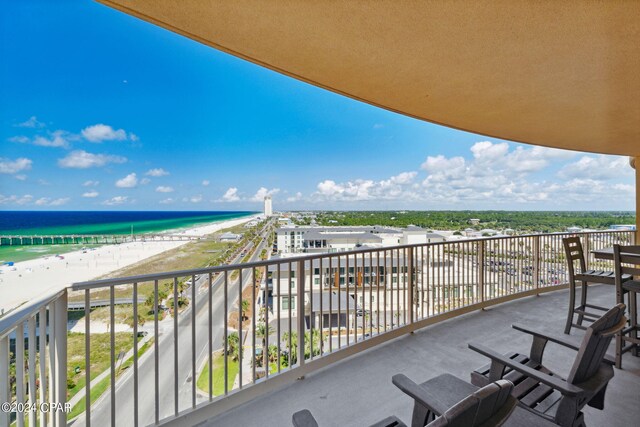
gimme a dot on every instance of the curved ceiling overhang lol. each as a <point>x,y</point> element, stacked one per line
<point>561,74</point>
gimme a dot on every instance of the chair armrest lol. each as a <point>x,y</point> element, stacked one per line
<point>304,419</point>
<point>420,394</point>
<point>549,337</point>
<point>554,382</point>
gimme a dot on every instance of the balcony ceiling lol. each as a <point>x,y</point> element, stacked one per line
<point>558,74</point>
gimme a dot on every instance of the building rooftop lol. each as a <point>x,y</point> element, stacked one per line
<point>358,390</point>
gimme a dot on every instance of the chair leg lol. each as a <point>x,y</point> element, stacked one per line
<point>619,350</point>
<point>597,401</point>
<point>633,317</point>
<point>583,302</point>
<point>572,304</point>
<point>421,416</point>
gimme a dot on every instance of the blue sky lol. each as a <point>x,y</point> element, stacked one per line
<point>99,110</point>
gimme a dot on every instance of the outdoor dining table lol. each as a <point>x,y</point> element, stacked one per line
<point>607,253</point>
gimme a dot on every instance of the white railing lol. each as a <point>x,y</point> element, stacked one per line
<point>241,330</point>
<point>41,399</point>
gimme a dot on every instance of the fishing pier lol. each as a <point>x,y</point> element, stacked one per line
<point>90,239</point>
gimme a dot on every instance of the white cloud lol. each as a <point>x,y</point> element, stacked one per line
<point>80,159</point>
<point>21,177</point>
<point>487,151</point>
<point>43,182</point>
<point>157,172</point>
<point>32,122</point>
<point>231,195</point>
<point>46,201</point>
<point>117,200</point>
<point>13,199</point>
<point>163,189</point>
<point>495,176</point>
<point>59,138</point>
<point>264,192</point>
<point>133,137</point>
<point>145,181</point>
<point>295,198</point>
<point>91,183</point>
<point>441,163</point>
<point>598,167</point>
<point>195,199</point>
<point>128,181</point>
<point>102,132</point>
<point>205,182</point>
<point>378,126</point>
<point>91,194</point>
<point>21,139</point>
<point>167,201</point>
<point>15,166</point>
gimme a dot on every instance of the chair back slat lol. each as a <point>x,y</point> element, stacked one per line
<point>625,255</point>
<point>492,402</point>
<point>595,343</point>
<point>574,252</point>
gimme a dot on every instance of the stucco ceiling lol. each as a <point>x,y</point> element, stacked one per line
<point>561,74</point>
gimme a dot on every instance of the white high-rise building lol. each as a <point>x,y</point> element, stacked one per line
<point>268,209</point>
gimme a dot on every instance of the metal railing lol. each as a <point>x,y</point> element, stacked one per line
<point>206,340</point>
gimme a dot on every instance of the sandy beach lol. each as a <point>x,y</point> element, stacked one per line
<point>35,278</point>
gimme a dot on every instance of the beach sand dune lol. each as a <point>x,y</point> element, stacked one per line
<point>28,280</point>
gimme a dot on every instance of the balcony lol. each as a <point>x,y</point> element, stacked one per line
<point>205,342</point>
<point>358,391</point>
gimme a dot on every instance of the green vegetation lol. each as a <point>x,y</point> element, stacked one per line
<point>218,375</point>
<point>520,221</point>
<point>100,357</point>
<point>103,384</point>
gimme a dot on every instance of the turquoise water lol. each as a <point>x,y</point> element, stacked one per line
<point>33,223</point>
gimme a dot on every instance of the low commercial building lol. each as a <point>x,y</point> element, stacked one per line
<point>230,237</point>
<point>293,240</point>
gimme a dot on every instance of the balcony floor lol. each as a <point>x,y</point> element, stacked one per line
<point>358,391</point>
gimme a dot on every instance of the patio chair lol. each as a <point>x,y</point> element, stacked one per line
<point>436,400</point>
<point>304,418</point>
<point>544,392</point>
<point>574,252</point>
<point>627,255</point>
<point>487,406</point>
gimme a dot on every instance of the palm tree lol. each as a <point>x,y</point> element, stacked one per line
<point>233,346</point>
<point>245,308</point>
<point>262,331</point>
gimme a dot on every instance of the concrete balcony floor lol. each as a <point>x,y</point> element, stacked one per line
<point>358,391</point>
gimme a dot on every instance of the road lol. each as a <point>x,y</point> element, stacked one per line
<point>101,410</point>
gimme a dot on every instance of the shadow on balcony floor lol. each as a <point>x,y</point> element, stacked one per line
<point>358,390</point>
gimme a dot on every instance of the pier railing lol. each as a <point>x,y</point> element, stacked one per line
<point>91,239</point>
<point>206,340</point>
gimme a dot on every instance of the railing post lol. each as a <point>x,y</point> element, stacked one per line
<point>587,249</point>
<point>411,282</point>
<point>4,379</point>
<point>60,350</point>
<point>481,264</point>
<point>536,262</point>
<point>301,312</point>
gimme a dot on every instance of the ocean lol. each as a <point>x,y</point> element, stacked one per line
<point>33,223</point>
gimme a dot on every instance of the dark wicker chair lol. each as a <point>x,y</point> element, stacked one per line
<point>627,255</point>
<point>574,252</point>
<point>544,392</point>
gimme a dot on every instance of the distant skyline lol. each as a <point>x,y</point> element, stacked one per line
<point>102,111</point>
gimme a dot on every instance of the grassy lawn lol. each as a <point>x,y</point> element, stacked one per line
<point>103,385</point>
<point>99,357</point>
<point>218,375</point>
